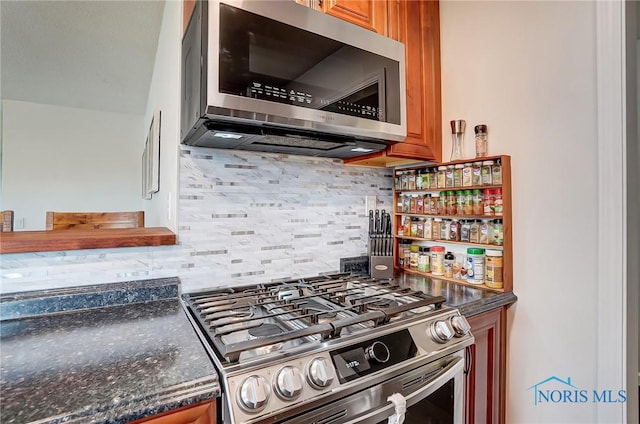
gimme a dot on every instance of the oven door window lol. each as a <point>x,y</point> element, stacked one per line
<point>265,59</point>
<point>437,408</point>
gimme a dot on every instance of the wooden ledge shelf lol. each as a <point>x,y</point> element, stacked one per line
<point>48,241</point>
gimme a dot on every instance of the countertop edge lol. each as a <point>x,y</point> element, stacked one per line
<point>478,307</point>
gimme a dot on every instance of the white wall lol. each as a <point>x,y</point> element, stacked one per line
<point>527,70</point>
<point>164,95</point>
<point>66,159</point>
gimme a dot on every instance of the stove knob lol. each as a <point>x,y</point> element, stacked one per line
<point>321,373</point>
<point>378,352</point>
<point>254,393</point>
<point>460,326</point>
<point>289,383</point>
<point>441,332</point>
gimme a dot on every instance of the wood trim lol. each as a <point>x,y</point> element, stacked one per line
<point>47,241</point>
<point>202,413</point>
<point>94,220</point>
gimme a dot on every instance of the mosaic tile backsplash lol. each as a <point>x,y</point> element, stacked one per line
<point>244,217</point>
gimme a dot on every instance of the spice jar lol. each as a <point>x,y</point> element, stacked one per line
<point>485,232</point>
<point>498,233</point>
<point>444,229</point>
<point>420,205</point>
<point>460,198</point>
<point>434,204</point>
<point>457,175</point>
<point>397,184</point>
<point>488,202</point>
<point>448,264</point>
<point>428,229</point>
<point>486,172</point>
<point>437,260</point>
<point>467,175</point>
<point>424,259</point>
<point>481,140</point>
<point>412,180</point>
<point>464,231</point>
<point>442,176</point>
<point>497,202</point>
<point>443,203</point>
<point>404,181</point>
<point>467,205</point>
<point>475,265</point>
<point>496,173</point>
<point>474,232</point>
<point>478,202</point>
<point>433,178</point>
<point>454,230</point>
<point>493,269</point>
<point>436,228</point>
<point>448,176</point>
<point>413,256</point>
<point>476,175</point>
<point>452,207</point>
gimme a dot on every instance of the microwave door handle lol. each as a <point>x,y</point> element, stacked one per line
<point>452,369</point>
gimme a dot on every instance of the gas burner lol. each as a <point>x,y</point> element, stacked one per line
<point>265,330</point>
<point>380,303</point>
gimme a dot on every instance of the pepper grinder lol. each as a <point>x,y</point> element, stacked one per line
<point>457,139</point>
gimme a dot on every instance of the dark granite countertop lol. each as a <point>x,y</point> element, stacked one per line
<point>469,300</point>
<point>100,354</point>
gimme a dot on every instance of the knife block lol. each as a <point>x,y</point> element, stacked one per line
<point>381,267</point>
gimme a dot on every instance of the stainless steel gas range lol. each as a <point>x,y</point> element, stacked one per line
<point>333,349</point>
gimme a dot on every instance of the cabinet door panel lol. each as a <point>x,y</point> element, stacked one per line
<point>485,384</point>
<point>203,413</point>
<point>369,14</point>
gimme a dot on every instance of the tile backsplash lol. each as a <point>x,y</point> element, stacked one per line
<point>244,217</point>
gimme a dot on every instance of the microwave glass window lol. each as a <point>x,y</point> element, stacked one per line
<point>269,60</point>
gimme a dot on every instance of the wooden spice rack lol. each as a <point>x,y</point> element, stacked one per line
<point>506,247</point>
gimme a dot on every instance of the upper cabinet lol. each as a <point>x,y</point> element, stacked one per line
<point>370,14</point>
<point>417,25</point>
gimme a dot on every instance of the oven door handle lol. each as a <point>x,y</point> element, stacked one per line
<point>451,370</point>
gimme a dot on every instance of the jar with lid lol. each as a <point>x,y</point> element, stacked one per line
<point>407,256</point>
<point>448,177</point>
<point>433,178</point>
<point>413,256</point>
<point>457,175</point>
<point>420,231</point>
<point>481,140</point>
<point>419,179</point>
<point>420,204</point>
<point>496,173</point>
<point>424,259</point>
<point>498,234</point>
<point>404,181</point>
<point>414,227</point>
<point>443,203</point>
<point>460,199</point>
<point>444,229</point>
<point>406,203</point>
<point>427,203</point>
<point>467,205</point>
<point>437,260</point>
<point>464,231</point>
<point>476,174</point>
<point>493,269</point>
<point>454,230</point>
<point>434,204</point>
<point>488,202</point>
<point>397,184</point>
<point>412,180</point>
<point>448,264</point>
<point>458,266</point>
<point>475,265</point>
<point>474,232</point>
<point>478,202</point>
<point>452,206</point>
<point>436,228</point>
<point>486,235</point>
<point>467,175</point>
<point>413,203</point>
<point>486,172</point>
<point>428,229</point>
<point>497,202</point>
<point>442,176</point>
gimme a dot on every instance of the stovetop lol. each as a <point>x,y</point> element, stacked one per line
<point>248,322</point>
<point>281,348</point>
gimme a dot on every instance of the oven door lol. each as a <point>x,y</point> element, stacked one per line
<point>433,394</point>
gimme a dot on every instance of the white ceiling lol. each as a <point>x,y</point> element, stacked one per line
<point>87,54</point>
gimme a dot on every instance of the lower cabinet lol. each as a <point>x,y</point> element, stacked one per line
<point>486,378</point>
<point>201,413</point>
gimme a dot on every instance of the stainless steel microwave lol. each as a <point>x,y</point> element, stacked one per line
<point>277,76</point>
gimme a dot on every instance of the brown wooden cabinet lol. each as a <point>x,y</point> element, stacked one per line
<point>417,25</point>
<point>485,382</point>
<point>202,413</point>
<point>369,14</point>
